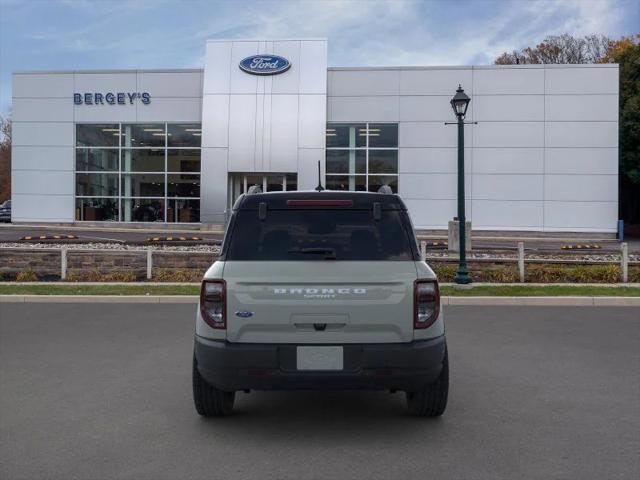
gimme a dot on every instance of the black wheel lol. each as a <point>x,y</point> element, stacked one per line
<point>432,401</point>
<point>209,401</point>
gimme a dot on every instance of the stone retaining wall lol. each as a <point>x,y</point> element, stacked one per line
<point>13,261</point>
<point>46,264</point>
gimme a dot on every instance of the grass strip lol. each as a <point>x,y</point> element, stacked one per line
<point>124,290</point>
<point>484,290</point>
<point>541,291</point>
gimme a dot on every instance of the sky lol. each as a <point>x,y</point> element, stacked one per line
<point>110,34</point>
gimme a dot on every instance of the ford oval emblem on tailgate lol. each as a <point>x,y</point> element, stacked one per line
<point>244,314</point>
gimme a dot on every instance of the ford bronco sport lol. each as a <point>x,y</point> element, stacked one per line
<point>316,290</point>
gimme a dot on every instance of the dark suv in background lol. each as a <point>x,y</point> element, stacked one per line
<point>5,211</point>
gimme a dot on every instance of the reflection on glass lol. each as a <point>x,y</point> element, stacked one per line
<point>102,135</point>
<point>183,211</point>
<point>143,160</point>
<point>184,135</point>
<point>143,135</point>
<point>275,183</point>
<point>383,161</point>
<point>292,182</point>
<point>346,135</point>
<point>183,185</point>
<point>346,182</point>
<point>346,161</point>
<point>183,161</point>
<point>96,159</point>
<point>96,209</point>
<point>143,185</point>
<point>142,209</point>
<point>96,184</point>
<point>383,135</point>
<point>376,181</point>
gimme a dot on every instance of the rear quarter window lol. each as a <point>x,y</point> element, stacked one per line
<point>300,234</point>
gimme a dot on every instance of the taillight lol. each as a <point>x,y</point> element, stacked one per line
<point>426,303</point>
<point>213,303</point>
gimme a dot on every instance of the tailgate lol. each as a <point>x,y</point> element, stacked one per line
<point>311,302</point>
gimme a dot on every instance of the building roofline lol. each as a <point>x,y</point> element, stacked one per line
<point>102,71</point>
<point>480,67</point>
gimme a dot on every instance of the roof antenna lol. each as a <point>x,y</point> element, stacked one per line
<point>319,188</point>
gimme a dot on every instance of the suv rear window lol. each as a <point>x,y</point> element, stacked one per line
<point>337,234</point>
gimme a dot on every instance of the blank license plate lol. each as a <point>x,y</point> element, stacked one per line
<point>320,358</point>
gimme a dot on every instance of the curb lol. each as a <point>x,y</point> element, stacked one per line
<point>448,301</point>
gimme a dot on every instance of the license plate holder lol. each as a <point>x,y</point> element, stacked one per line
<point>320,358</point>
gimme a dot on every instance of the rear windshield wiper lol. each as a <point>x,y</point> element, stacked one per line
<point>329,253</point>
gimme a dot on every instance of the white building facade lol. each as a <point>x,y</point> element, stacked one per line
<point>179,146</point>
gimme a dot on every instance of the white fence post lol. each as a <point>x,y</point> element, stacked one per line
<point>63,263</point>
<point>625,262</point>
<point>423,250</point>
<point>149,262</point>
<point>521,261</point>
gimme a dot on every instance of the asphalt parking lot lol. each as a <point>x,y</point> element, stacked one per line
<point>104,391</point>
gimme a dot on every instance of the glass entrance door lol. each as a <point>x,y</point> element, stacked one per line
<point>239,183</point>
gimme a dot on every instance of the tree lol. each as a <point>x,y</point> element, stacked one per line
<point>600,49</point>
<point>5,159</point>
<point>560,49</point>
<point>626,53</point>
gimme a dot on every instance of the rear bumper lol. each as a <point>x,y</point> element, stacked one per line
<point>395,366</point>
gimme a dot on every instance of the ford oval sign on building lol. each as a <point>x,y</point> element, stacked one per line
<point>265,64</point>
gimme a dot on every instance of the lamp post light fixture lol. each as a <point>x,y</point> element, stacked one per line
<point>460,103</point>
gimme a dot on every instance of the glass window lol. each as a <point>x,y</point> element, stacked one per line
<point>183,161</point>
<point>383,161</point>
<point>103,135</point>
<point>143,160</point>
<point>376,181</point>
<point>346,135</point>
<point>275,183</point>
<point>132,164</point>
<point>183,211</point>
<point>143,209</point>
<point>346,161</point>
<point>356,183</point>
<point>96,184</point>
<point>184,135</point>
<point>143,135</point>
<point>96,159</point>
<point>143,185</point>
<point>383,135</point>
<point>358,155</point>
<point>96,209</point>
<point>183,185</point>
<point>337,234</point>
<point>292,182</point>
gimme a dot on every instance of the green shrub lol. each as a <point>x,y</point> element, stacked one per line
<point>27,276</point>
<point>98,276</point>
<point>634,274</point>
<point>175,275</point>
<point>444,271</point>
<point>572,273</point>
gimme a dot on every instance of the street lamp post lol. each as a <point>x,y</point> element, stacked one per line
<point>459,103</point>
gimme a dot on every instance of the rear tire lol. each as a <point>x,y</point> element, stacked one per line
<point>432,400</point>
<point>210,401</point>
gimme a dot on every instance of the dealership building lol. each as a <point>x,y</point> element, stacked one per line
<point>179,146</point>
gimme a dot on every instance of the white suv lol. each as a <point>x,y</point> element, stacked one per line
<point>319,290</point>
